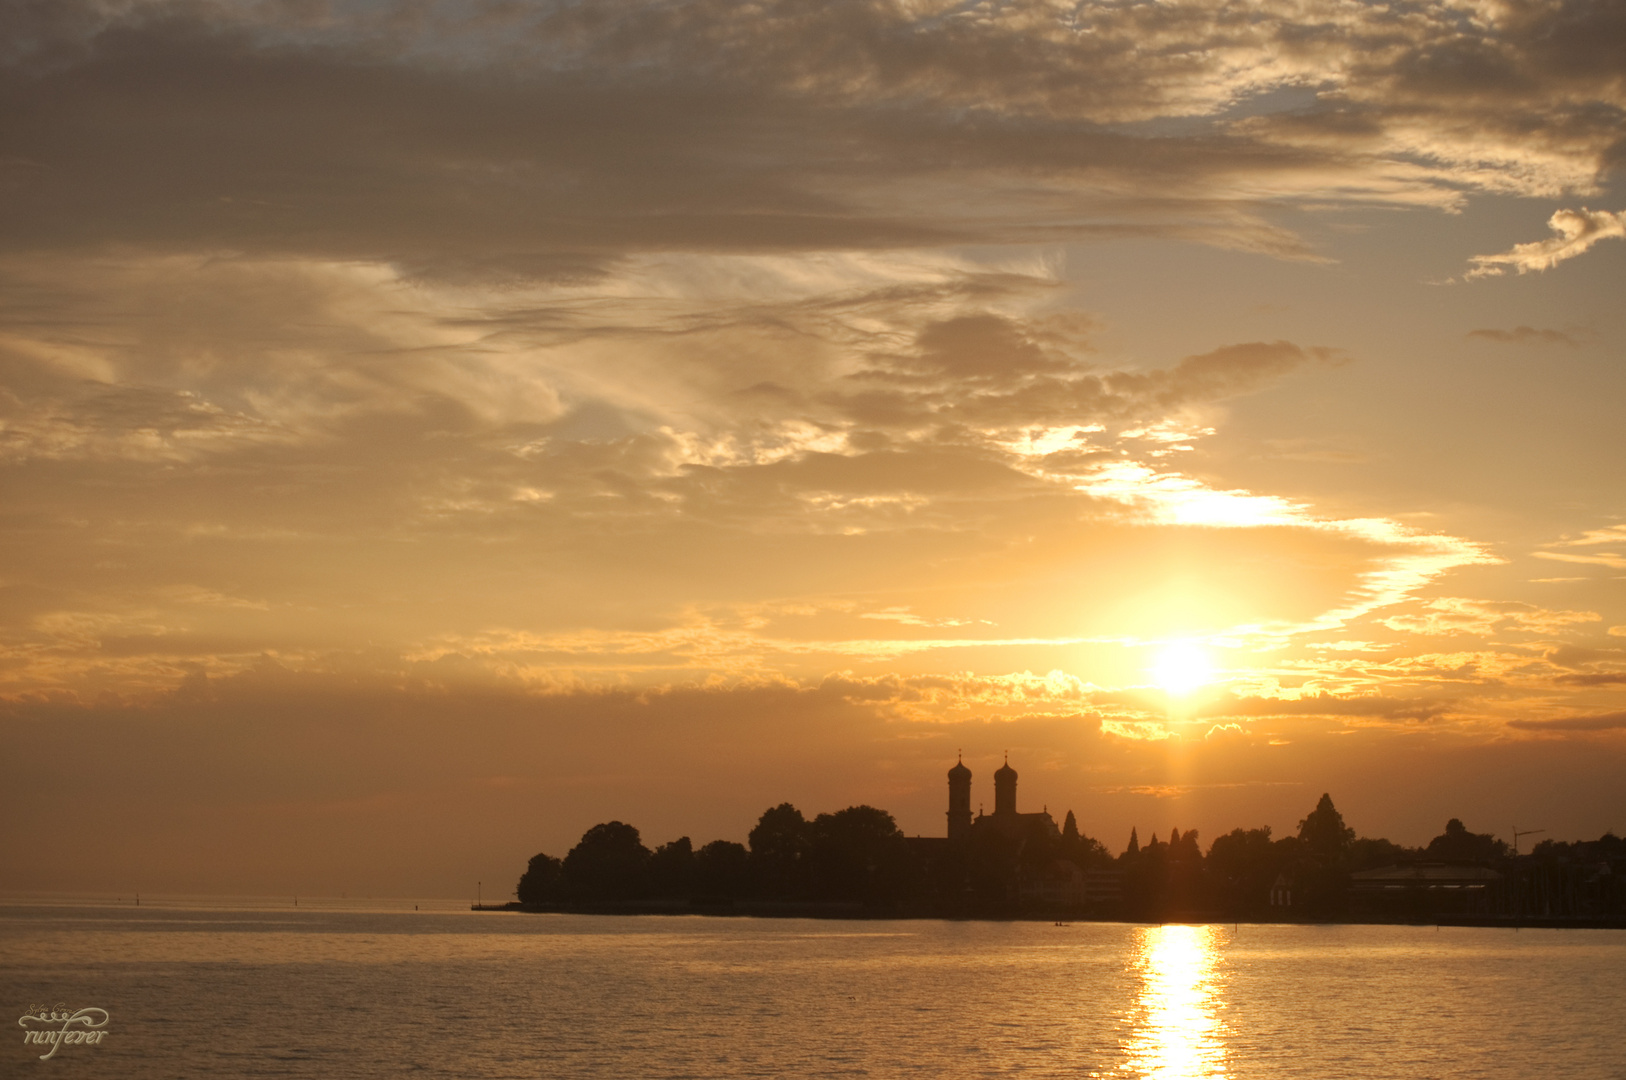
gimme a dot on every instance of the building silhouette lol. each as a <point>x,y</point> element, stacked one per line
<point>1042,872</point>
<point>1006,821</point>
<point>959,809</point>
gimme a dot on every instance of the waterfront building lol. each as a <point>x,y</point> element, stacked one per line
<point>1006,821</point>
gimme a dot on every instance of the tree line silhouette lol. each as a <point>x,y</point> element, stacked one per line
<point>853,856</point>
<point>857,862</point>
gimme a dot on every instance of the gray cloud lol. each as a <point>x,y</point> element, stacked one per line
<point>1378,706</point>
<point>1601,722</point>
<point>542,142</point>
<point>1525,335</point>
<point>991,371</point>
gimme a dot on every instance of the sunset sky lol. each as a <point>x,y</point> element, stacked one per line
<point>428,429</point>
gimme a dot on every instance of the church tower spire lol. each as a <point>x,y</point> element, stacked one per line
<point>959,808</point>
<point>1005,788</point>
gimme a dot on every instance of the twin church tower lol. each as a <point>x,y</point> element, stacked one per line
<point>1005,820</point>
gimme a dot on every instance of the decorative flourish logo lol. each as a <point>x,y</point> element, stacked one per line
<point>55,1026</point>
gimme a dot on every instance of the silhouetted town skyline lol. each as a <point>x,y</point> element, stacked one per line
<point>856,862</point>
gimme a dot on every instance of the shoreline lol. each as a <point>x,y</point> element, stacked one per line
<point>858,913</point>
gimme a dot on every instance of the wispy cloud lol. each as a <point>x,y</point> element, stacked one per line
<point>1609,534</point>
<point>1577,231</point>
<point>1600,722</point>
<point>1603,558</point>
<point>1525,335</point>
<point>1458,615</point>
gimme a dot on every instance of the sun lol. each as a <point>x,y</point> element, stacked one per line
<point>1181,667</point>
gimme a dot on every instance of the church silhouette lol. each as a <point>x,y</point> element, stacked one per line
<point>1006,821</point>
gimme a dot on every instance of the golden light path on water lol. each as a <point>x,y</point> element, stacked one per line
<point>1178,1034</point>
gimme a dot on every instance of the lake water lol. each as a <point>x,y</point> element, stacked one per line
<point>246,991</point>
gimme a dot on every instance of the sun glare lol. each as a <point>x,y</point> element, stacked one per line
<point>1181,667</point>
<point>1178,1034</point>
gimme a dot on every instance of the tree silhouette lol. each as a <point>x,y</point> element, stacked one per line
<point>1243,863</point>
<point>1368,853</point>
<point>1080,850</point>
<point>671,869</point>
<point>609,863</point>
<point>1324,832</point>
<point>779,851</point>
<point>722,869</point>
<point>540,882</point>
<point>857,854</point>
<point>1321,875</point>
<point>1457,844</point>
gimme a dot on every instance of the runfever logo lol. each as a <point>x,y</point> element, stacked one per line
<point>55,1026</point>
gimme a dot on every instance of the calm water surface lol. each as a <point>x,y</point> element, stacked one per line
<point>348,993</point>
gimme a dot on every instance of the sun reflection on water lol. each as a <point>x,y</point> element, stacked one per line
<point>1177,1031</point>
